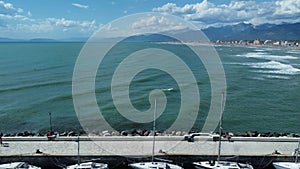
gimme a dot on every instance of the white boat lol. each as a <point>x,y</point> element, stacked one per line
<point>286,165</point>
<point>221,164</point>
<point>289,165</point>
<point>88,165</point>
<point>18,165</point>
<point>153,164</point>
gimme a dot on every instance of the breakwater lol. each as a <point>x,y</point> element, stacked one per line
<point>119,151</point>
<point>141,132</point>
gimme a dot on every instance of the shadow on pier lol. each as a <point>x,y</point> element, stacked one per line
<point>56,162</point>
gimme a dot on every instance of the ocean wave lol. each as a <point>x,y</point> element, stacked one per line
<point>29,86</point>
<point>277,77</point>
<point>294,51</point>
<point>32,70</point>
<point>267,56</point>
<point>274,67</point>
<point>259,50</point>
<point>169,89</point>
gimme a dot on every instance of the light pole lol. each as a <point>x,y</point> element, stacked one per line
<point>50,122</point>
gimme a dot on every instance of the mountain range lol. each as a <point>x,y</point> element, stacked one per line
<point>241,31</point>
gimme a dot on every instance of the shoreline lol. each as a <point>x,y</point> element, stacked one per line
<point>257,46</point>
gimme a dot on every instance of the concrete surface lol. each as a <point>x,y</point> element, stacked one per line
<point>142,146</point>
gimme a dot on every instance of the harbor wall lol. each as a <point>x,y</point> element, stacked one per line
<point>118,151</point>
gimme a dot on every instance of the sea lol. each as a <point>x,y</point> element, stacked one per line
<point>262,93</point>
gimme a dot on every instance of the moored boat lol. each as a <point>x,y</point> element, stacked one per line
<point>286,165</point>
<point>289,165</point>
<point>88,165</point>
<point>18,165</point>
<point>221,164</point>
<point>154,165</point>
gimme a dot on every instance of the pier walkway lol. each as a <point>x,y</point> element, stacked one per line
<point>141,146</point>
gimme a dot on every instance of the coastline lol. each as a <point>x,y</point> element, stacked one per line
<point>238,44</point>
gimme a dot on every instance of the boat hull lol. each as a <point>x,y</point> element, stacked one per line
<point>17,165</point>
<point>286,165</point>
<point>88,165</point>
<point>221,165</point>
<point>160,165</point>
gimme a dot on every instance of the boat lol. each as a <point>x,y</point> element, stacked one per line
<point>86,165</point>
<point>286,165</point>
<point>221,164</point>
<point>289,165</point>
<point>18,165</point>
<point>154,164</point>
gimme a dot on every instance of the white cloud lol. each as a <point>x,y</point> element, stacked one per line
<point>87,24</point>
<point>63,22</point>
<point>18,23</point>
<point>153,23</point>
<point>6,5</point>
<point>9,12</point>
<point>141,24</point>
<point>29,14</point>
<point>55,28</point>
<point>35,28</point>
<point>9,9</point>
<point>66,24</point>
<point>80,5</point>
<point>248,11</point>
<point>287,7</point>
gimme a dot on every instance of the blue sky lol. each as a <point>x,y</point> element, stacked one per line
<point>60,19</point>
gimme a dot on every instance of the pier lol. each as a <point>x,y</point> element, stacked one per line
<point>118,151</point>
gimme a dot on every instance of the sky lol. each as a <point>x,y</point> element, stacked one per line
<point>63,19</point>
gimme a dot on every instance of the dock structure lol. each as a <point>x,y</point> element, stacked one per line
<point>120,150</point>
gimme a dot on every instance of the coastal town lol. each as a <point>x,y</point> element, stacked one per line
<point>293,44</point>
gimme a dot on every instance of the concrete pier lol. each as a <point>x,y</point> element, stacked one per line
<point>259,151</point>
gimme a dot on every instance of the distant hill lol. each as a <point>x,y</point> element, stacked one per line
<point>42,40</point>
<point>244,31</point>
<point>10,40</point>
<point>150,38</point>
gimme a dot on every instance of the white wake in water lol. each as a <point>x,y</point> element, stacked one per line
<point>267,56</point>
<point>169,89</point>
<point>274,67</point>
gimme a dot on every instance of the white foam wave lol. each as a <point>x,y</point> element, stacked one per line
<point>274,67</point>
<point>169,89</point>
<point>267,56</point>
<point>294,51</point>
<point>271,49</point>
<point>259,50</point>
<point>277,77</point>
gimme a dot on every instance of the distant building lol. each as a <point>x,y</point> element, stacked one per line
<point>268,42</point>
<point>257,42</point>
<point>277,43</point>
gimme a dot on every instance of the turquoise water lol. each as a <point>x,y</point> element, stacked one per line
<point>36,78</point>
